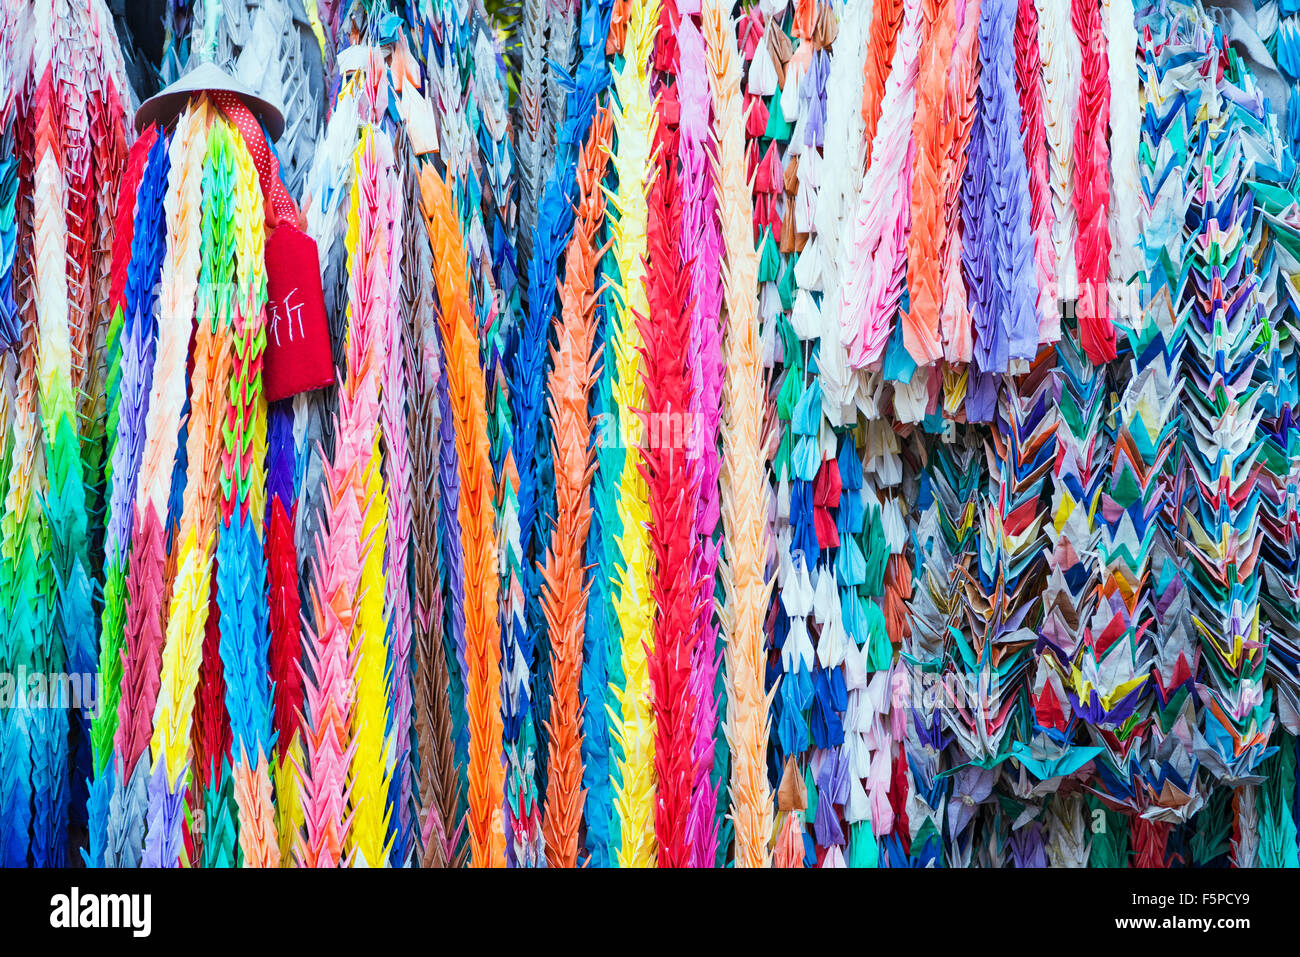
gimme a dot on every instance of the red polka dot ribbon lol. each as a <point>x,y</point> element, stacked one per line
<point>279,205</point>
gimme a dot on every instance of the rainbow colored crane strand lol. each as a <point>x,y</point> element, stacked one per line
<point>814,433</point>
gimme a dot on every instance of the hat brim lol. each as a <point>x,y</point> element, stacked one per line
<point>165,106</point>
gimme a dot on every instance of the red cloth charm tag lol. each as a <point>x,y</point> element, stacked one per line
<point>298,357</point>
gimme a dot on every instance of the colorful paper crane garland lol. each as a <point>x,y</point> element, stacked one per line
<point>816,433</point>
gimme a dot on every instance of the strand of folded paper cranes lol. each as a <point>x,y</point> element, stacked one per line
<point>706,431</point>
<point>65,96</point>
